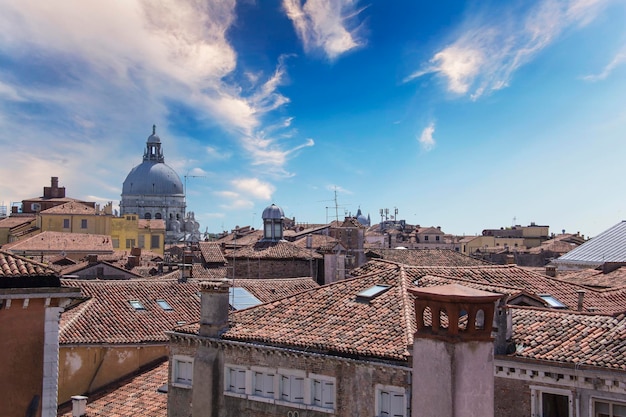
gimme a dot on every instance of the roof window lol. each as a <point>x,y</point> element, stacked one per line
<point>240,298</point>
<point>136,305</point>
<point>164,305</point>
<point>552,301</point>
<point>372,292</point>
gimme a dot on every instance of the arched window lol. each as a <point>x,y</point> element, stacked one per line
<point>147,216</point>
<point>158,216</point>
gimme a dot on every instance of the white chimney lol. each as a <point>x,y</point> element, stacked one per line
<point>79,405</point>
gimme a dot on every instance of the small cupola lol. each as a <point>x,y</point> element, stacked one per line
<point>273,217</point>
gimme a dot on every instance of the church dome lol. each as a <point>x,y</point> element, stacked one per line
<point>361,218</point>
<point>273,212</point>
<point>153,177</point>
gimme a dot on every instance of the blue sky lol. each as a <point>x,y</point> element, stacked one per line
<point>464,115</point>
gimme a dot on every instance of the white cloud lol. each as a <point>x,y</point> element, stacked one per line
<point>85,73</point>
<point>426,139</point>
<point>323,24</point>
<point>618,60</point>
<point>338,188</point>
<point>254,187</point>
<point>487,52</point>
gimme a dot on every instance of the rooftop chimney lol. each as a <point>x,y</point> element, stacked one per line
<point>581,298</point>
<point>214,307</point>
<point>208,391</point>
<point>453,352</point>
<point>551,271</point>
<point>79,406</point>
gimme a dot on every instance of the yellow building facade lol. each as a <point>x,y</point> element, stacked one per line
<point>128,232</point>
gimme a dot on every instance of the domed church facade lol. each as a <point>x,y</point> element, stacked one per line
<point>153,190</point>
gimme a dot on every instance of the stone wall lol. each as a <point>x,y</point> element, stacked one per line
<point>273,268</point>
<point>355,381</point>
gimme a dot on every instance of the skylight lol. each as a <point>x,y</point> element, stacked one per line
<point>240,298</point>
<point>164,305</point>
<point>373,292</point>
<point>136,305</point>
<point>552,301</point>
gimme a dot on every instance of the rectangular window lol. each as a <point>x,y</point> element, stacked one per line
<point>323,391</point>
<point>263,384</point>
<point>83,224</point>
<point>182,372</point>
<point>608,409</point>
<point>116,243</point>
<point>235,380</point>
<point>551,402</point>
<point>130,243</point>
<point>66,223</point>
<point>292,388</point>
<point>155,242</point>
<point>390,401</point>
<point>142,241</point>
<point>425,238</point>
<point>437,238</point>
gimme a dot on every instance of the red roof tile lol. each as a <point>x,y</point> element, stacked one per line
<point>212,252</point>
<point>72,207</point>
<point>17,266</point>
<point>425,257</point>
<point>570,337</point>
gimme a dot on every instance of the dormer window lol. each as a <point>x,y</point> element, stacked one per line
<point>552,301</point>
<point>136,305</point>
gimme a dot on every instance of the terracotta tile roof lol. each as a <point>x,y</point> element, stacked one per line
<point>154,224</point>
<point>72,207</point>
<point>12,266</point>
<point>320,243</point>
<point>607,302</point>
<point>246,239</point>
<point>273,250</point>
<point>13,221</point>
<point>273,289</point>
<point>425,257</point>
<point>331,319</point>
<point>57,242</point>
<point>136,396</point>
<point>596,278</point>
<point>73,269</point>
<point>108,316</point>
<point>568,337</point>
<point>212,252</point>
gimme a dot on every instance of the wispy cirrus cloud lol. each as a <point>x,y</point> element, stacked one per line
<point>619,59</point>
<point>489,49</point>
<point>326,25</point>
<point>426,139</point>
<point>338,188</point>
<point>244,192</point>
<point>93,73</point>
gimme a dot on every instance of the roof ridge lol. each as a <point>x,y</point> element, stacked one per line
<point>407,308</point>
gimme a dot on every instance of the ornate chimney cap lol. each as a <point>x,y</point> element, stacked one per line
<point>454,293</point>
<point>216,285</point>
<point>454,312</point>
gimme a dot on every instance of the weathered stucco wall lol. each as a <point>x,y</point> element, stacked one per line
<point>22,347</point>
<point>84,369</point>
<point>355,381</point>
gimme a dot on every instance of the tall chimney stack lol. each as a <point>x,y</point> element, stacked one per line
<point>208,393</point>
<point>453,357</point>
<point>581,299</point>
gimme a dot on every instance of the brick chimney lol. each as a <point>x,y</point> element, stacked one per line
<point>453,352</point>
<point>208,390</point>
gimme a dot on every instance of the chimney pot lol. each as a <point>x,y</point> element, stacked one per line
<point>581,298</point>
<point>79,405</point>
